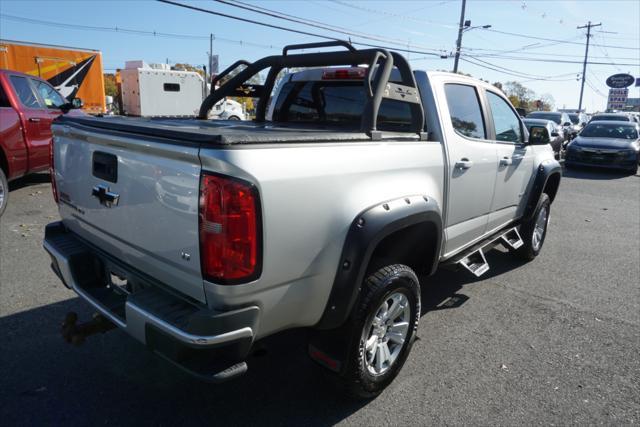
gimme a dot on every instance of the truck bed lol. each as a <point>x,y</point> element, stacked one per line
<point>223,132</point>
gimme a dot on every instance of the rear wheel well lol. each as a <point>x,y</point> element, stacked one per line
<point>414,246</point>
<point>4,165</point>
<point>551,186</point>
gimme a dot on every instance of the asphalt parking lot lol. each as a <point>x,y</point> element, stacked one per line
<point>554,341</point>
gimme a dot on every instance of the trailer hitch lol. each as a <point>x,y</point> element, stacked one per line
<point>75,333</point>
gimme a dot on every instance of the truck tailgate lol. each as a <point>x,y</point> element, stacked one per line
<point>134,198</point>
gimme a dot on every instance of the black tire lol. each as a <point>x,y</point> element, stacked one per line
<point>529,250</point>
<point>380,287</point>
<point>4,192</point>
<point>233,118</point>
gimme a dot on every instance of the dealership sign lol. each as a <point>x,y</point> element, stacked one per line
<point>617,99</point>
<point>620,80</point>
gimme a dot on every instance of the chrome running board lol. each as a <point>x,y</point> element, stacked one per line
<point>473,259</point>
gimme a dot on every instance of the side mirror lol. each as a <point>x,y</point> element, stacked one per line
<point>538,135</point>
<point>567,124</point>
<point>74,104</point>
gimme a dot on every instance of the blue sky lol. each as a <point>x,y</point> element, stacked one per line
<point>428,26</point>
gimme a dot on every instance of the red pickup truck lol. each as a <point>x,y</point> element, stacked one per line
<point>28,105</point>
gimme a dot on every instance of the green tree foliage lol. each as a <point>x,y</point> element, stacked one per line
<point>519,95</point>
<point>110,88</point>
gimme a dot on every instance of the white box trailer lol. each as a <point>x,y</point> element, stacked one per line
<point>157,91</point>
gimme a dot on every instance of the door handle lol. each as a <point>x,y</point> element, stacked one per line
<point>463,163</point>
<point>34,119</point>
<point>506,161</point>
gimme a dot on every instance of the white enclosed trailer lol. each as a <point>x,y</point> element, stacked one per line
<point>157,91</point>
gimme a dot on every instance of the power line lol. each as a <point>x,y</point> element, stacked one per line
<point>529,47</point>
<point>291,30</point>
<point>314,24</point>
<point>131,31</point>
<point>393,15</point>
<point>552,61</point>
<point>606,54</point>
<point>555,40</point>
<point>595,89</point>
<point>514,73</point>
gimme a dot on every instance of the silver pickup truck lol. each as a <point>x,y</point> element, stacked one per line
<point>199,238</point>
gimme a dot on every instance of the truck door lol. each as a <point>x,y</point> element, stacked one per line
<point>515,160</point>
<point>11,137</point>
<point>36,135</point>
<point>52,101</point>
<point>472,171</point>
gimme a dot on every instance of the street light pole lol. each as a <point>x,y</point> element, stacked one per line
<point>459,42</point>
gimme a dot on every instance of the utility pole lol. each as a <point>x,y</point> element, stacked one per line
<point>210,60</point>
<point>586,54</point>
<point>459,42</point>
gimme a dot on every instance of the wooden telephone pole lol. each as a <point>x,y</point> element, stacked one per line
<point>586,54</point>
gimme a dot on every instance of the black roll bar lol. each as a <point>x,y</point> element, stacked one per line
<point>377,86</point>
<point>343,43</point>
<point>227,70</point>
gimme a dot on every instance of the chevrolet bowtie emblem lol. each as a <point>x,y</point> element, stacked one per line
<point>106,197</point>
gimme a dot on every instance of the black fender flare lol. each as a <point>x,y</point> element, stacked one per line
<point>368,229</point>
<point>546,169</point>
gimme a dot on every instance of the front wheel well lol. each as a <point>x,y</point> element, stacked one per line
<point>415,246</point>
<point>551,186</point>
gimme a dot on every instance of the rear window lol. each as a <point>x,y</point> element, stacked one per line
<point>465,111</point>
<point>612,118</point>
<point>556,118</point>
<point>340,103</point>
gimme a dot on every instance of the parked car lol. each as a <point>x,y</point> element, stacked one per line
<point>555,134</point>
<point>318,214</point>
<point>607,144</point>
<point>559,118</point>
<point>616,117</point>
<point>578,121</point>
<point>28,105</point>
<point>228,109</point>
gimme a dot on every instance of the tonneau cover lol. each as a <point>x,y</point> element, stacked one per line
<point>221,132</point>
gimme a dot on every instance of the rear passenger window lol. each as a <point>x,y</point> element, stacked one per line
<point>339,103</point>
<point>505,120</point>
<point>25,92</point>
<point>465,111</point>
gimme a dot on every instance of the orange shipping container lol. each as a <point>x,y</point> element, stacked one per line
<point>76,73</point>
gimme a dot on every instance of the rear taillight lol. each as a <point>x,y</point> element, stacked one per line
<point>230,236</point>
<point>52,171</point>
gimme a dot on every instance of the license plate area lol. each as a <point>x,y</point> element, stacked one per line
<point>117,280</point>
